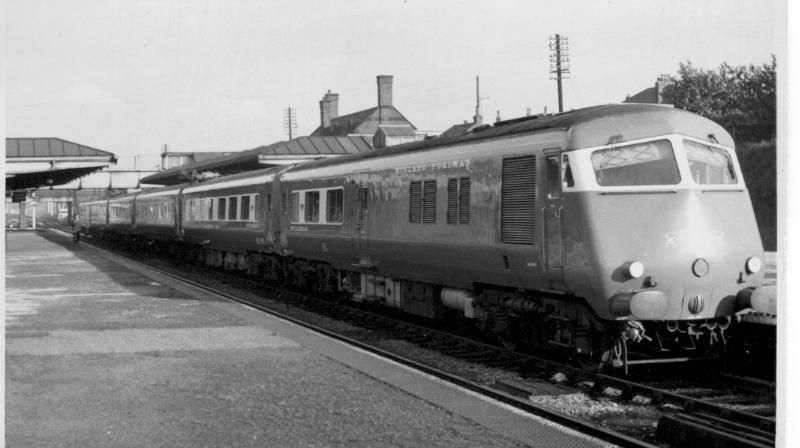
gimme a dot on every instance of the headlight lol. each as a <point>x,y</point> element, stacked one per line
<point>634,269</point>
<point>753,265</point>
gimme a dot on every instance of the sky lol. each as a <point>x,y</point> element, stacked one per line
<point>130,76</point>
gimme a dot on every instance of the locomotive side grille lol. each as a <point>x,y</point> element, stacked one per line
<point>518,201</point>
<point>429,202</point>
<point>415,202</point>
<point>463,201</point>
<point>452,200</point>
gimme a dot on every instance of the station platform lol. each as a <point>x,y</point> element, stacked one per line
<point>100,353</point>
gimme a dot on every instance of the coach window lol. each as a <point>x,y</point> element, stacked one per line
<point>553,178</point>
<point>312,206</point>
<point>245,215</point>
<point>233,208</point>
<point>221,209</point>
<point>334,200</point>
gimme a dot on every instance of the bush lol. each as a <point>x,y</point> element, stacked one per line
<point>759,167</point>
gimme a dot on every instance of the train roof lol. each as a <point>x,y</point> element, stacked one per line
<point>587,127</point>
<point>235,180</point>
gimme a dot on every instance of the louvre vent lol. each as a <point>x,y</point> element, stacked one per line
<point>452,201</point>
<point>463,201</point>
<point>518,206</point>
<point>415,202</point>
<point>429,202</point>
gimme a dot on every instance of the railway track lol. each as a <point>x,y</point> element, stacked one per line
<point>715,411</point>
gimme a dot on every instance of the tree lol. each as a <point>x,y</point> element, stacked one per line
<point>742,98</point>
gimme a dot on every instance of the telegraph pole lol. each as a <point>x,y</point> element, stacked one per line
<point>290,122</point>
<point>559,64</point>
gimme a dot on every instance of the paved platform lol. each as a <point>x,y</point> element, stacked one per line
<point>100,353</point>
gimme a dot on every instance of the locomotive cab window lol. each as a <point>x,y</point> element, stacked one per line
<point>567,177</point>
<point>553,178</point>
<point>709,165</point>
<point>647,163</point>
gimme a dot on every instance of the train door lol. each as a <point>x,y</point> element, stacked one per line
<point>552,213</point>
<point>360,230</point>
<point>266,213</point>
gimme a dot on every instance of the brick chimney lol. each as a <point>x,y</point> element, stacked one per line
<point>328,108</point>
<point>384,94</point>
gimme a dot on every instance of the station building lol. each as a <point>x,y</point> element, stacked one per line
<point>357,132</point>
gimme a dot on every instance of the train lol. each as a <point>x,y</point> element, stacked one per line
<point>618,233</point>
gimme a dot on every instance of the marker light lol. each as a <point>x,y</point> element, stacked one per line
<point>635,269</point>
<point>753,265</point>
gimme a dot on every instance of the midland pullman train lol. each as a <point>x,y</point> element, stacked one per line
<point>595,231</point>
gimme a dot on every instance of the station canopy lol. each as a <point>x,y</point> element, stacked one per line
<point>45,162</point>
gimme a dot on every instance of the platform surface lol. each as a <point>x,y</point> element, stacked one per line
<point>100,354</point>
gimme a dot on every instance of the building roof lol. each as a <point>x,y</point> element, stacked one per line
<point>457,129</point>
<point>397,130</point>
<point>648,95</point>
<point>363,122</point>
<point>47,161</point>
<point>279,153</point>
<point>49,147</point>
<point>108,180</point>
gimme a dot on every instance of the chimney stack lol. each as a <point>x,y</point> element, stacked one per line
<point>384,94</point>
<point>328,108</point>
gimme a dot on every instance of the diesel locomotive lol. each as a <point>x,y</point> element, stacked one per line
<point>597,230</point>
